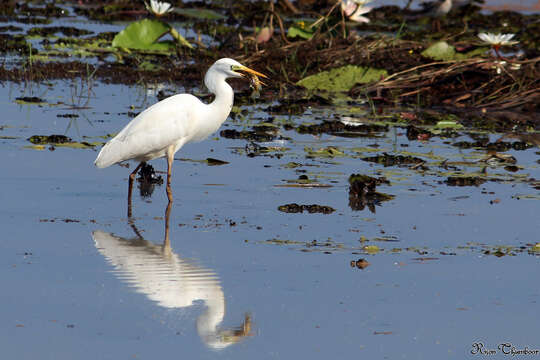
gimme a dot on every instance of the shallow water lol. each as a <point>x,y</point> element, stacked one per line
<point>240,278</point>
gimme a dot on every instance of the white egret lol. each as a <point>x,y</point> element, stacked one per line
<point>163,128</point>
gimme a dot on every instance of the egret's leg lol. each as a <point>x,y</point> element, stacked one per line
<point>170,158</point>
<point>166,241</point>
<point>130,186</point>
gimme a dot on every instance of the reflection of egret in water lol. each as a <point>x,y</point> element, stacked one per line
<point>170,281</point>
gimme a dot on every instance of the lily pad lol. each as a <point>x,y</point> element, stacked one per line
<point>342,79</point>
<point>203,14</point>
<point>440,51</point>
<point>371,249</point>
<point>302,28</point>
<point>295,31</point>
<point>144,34</point>
<point>443,51</point>
<point>448,124</point>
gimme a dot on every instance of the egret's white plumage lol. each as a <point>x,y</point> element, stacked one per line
<point>163,128</point>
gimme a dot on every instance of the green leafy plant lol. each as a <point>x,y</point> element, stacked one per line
<point>342,79</point>
<point>144,35</point>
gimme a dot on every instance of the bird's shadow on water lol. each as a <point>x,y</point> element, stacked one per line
<point>171,281</point>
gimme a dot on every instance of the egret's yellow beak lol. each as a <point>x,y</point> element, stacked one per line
<point>248,70</point>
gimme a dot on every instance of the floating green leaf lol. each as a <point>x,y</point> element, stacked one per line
<point>342,79</point>
<point>295,31</point>
<point>144,34</point>
<point>302,29</point>
<point>443,51</point>
<point>440,51</point>
<point>203,14</point>
<point>448,124</point>
<point>371,249</point>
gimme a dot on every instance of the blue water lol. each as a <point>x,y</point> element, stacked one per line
<point>77,284</point>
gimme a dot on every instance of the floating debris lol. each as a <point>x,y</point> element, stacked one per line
<point>360,264</point>
<point>338,128</point>
<point>255,135</point>
<point>393,160</point>
<point>49,139</point>
<point>362,192</point>
<point>464,181</point>
<point>295,208</point>
<point>40,141</point>
<point>29,100</point>
<point>215,162</point>
<point>329,151</point>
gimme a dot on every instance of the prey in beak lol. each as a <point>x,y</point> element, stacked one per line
<point>253,75</point>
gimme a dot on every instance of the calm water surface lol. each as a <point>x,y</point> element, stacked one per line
<point>239,279</point>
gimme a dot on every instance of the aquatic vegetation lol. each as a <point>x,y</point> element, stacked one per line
<point>362,192</point>
<point>295,208</point>
<point>443,51</point>
<point>342,79</point>
<point>144,35</point>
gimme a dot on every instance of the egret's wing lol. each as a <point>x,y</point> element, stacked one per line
<point>163,124</point>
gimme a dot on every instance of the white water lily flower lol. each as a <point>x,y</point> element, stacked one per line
<point>158,8</point>
<point>354,9</point>
<point>497,39</point>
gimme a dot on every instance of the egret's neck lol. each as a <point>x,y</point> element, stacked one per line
<point>213,316</point>
<point>222,104</point>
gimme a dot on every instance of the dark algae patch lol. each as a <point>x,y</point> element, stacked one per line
<point>30,99</point>
<point>49,139</point>
<point>393,160</point>
<point>312,209</point>
<point>464,181</point>
<point>253,135</point>
<point>59,140</point>
<point>340,129</point>
<point>362,192</point>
